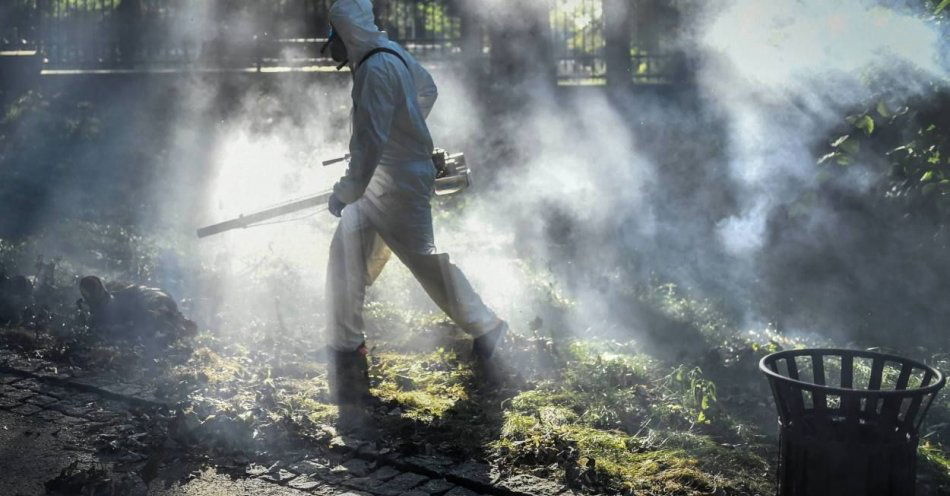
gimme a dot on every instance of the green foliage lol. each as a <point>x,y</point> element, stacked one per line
<point>698,392</point>
<point>592,369</point>
<point>934,454</point>
<point>934,462</point>
<point>55,119</point>
<point>110,250</point>
<point>675,303</point>
<point>914,142</point>
<point>939,9</point>
<point>911,138</point>
<point>43,141</point>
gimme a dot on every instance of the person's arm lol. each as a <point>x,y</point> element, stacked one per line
<point>372,119</point>
<point>426,90</point>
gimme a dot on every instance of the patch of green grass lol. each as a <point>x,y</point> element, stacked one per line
<point>424,385</point>
<point>531,402</point>
<point>610,388</point>
<point>210,367</point>
<point>635,419</point>
<point>619,460</point>
<point>702,313</point>
<point>934,467</point>
<point>595,365</point>
<point>937,457</point>
<point>303,407</point>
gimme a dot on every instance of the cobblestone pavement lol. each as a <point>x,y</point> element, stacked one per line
<point>49,420</point>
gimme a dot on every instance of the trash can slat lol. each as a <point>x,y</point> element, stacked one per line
<point>892,404</point>
<point>818,375</point>
<point>909,424</point>
<point>877,372</point>
<point>930,402</point>
<point>847,371</point>
<point>792,367</point>
<point>928,376</point>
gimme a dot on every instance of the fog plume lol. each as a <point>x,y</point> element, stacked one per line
<point>582,197</point>
<point>596,194</point>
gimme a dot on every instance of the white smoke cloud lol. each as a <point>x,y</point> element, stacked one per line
<point>776,77</point>
<point>784,73</point>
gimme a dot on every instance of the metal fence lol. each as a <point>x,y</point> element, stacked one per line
<point>112,33</point>
<point>653,50</point>
<point>430,28</point>
<point>578,34</point>
<point>229,33</point>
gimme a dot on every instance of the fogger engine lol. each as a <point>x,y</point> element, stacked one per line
<point>452,176</point>
<point>451,172</point>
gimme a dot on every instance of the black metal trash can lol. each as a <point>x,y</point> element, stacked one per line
<point>848,420</point>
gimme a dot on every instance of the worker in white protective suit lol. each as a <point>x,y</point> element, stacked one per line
<point>383,199</point>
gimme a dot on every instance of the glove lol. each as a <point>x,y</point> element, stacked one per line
<point>335,205</point>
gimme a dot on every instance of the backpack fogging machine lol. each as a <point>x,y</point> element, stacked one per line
<point>452,176</point>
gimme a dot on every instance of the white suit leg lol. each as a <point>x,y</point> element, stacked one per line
<point>448,287</point>
<point>405,224</point>
<point>357,256</point>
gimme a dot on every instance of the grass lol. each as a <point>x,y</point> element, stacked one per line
<point>601,415</point>
<point>933,468</point>
<point>303,408</point>
<point>617,420</point>
<point>616,460</point>
<point>703,314</point>
<point>425,386</point>
<point>609,420</point>
<point>936,456</point>
<point>604,416</point>
<point>213,368</point>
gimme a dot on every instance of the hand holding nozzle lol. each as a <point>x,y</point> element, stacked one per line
<point>335,205</point>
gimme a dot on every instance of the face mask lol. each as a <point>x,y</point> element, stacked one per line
<point>337,49</point>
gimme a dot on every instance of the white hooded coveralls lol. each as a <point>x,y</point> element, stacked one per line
<point>387,186</point>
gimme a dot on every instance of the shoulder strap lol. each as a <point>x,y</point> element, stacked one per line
<point>374,52</point>
<point>380,50</point>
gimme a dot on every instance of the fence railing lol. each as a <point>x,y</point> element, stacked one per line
<point>229,33</point>
<point>431,28</point>
<point>580,40</point>
<point>578,37</point>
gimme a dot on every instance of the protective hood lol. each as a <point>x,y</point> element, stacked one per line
<point>354,22</point>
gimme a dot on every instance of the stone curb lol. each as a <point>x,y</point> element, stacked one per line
<point>448,474</point>
<point>86,388</point>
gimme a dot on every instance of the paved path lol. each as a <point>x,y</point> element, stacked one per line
<point>48,422</point>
